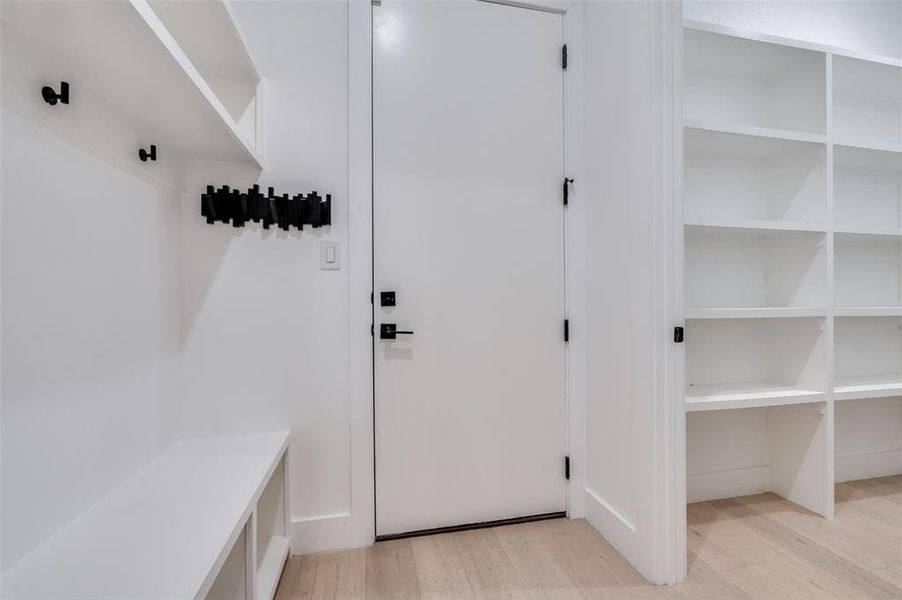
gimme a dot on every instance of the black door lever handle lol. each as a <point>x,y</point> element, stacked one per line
<point>389,331</point>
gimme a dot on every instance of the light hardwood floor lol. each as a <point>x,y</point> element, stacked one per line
<point>753,547</point>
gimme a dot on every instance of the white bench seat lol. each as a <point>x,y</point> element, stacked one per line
<point>165,532</point>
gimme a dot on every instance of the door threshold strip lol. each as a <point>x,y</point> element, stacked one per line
<point>469,526</point>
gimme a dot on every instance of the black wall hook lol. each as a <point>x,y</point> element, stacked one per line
<point>144,155</point>
<point>226,205</point>
<point>51,97</point>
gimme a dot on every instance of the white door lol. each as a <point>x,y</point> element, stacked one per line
<point>468,233</point>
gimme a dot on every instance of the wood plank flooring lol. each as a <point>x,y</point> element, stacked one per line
<point>753,547</point>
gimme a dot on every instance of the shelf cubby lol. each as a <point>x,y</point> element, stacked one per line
<point>867,103</point>
<point>867,191</point>
<point>753,181</point>
<point>868,438</point>
<point>779,449</point>
<point>742,363</point>
<point>272,534</point>
<point>745,82</point>
<point>867,357</point>
<point>867,270</point>
<point>728,268</point>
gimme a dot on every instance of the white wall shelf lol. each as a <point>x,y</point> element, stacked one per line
<point>867,103</point>
<point>755,182</point>
<point>700,224</point>
<point>867,311</point>
<point>754,313</point>
<point>747,83</point>
<point>867,191</point>
<point>749,395</point>
<point>770,133</point>
<point>868,386</point>
<point>158,535</point>
<point>779,259</point>
<point>868,354</point>
<point>747,269</point>
<point>123,52</point>
<point>868,270</point>
<point>742,363</point>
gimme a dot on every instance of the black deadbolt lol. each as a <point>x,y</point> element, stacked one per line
<point>386,298</point>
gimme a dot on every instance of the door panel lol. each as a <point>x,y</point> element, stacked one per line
<point>468,231</point>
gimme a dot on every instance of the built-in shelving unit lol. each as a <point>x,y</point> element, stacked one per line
<point>161,534</point>
<point>792,205</point>
<point>191,95</point>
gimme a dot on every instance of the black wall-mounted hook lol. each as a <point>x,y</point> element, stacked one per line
<point>226,205</point>
<point>51,97</point>
<point>144,155</point>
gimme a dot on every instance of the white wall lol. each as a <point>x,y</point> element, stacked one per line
<point>90,327</point>
<point>628,146</point>
<point>873,26</point>
<point>265,330</point>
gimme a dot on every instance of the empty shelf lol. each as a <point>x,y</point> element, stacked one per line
<point>871,145</point>
<point>868,386</point>
<point>762,132</point>
<point>868,311</point>
<point>747,395</point>
<point>754,313</point>
<point>865,234</point>
<point>707,223</point>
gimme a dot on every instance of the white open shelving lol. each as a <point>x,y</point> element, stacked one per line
<point>867,108</point>
<point>792,204</point>
<point>743,363</point>
<point>194,96</point>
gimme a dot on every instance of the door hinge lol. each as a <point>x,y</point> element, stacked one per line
<point>371,298</point>
<point>372,329</point>
<point>564,57</point>
<point>678,335</point>
<point>566,330</point>
<point>566,467</point>
<point>567,183</point>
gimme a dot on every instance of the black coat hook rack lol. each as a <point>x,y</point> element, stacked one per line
<point>226,205</point>
<point>144,155</point>
<point>51,97</point>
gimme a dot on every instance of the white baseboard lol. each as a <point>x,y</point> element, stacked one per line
<point>327,533</point>
<point>867,465</point>
<point>618,531</point>
<point>727,484</point>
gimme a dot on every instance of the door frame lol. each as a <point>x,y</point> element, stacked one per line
<point>360,265</point>
<point>669,560</point>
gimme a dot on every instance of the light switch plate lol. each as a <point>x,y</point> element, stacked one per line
<point>330,256</point>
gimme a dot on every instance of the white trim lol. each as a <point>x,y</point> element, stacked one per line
<point>619,531</point>
<point>362,528</point>
<point>360,272</point>
<point>320,534</point>
<point>867,465</point>
<point>576,254</point>
<point>729,483</point>
<point>669,562</point>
